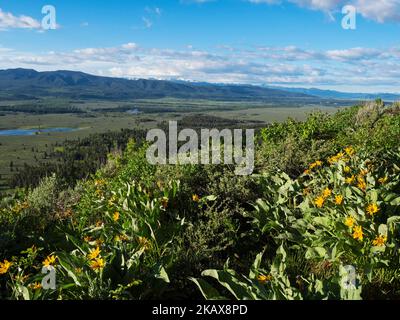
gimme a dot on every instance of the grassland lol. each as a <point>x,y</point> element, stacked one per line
<point>103,116</point>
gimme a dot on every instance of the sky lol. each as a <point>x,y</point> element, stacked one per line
<point>291,43</point>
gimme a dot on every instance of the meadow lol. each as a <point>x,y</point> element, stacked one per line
<point>104,116</point>
<point>318,219</point>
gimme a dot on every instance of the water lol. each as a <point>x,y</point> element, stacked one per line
<point>134,111</point>
<point>32,132</point>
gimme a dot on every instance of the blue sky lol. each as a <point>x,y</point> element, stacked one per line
<point>298,43</point>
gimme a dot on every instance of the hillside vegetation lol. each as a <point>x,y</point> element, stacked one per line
<point>318,219</point>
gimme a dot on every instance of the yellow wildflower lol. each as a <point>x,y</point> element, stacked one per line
<point>319,202</point>
<point>99,224</point>
<point>35,286</point>
<point>350,180</point>
<point>116,216</point>
<point>379,241</point>
<point>372,209</point>
<point>144,243</point>
<point>338,200</point>
<point>327,193</point>
<point>263,279</point>
<point>347,169</point>
<point>361,183</point>
<point>49,261</point>
<point>120,237</point>
<point>97,264</point>
<point>383,180</point>
<point>195,198</point>
<point>112,201</point>
<point>99,182</point>
<point>350,221</point>
<point>332,160</point>
<point>349,151</point>
<point>164,202</point>
<point>88,239</point>
<point>358,233</point>
<point>94,253</point>
<point>315,164</point>
<point>307,172</point>
<point>4,266</point>
<point>25,205</point>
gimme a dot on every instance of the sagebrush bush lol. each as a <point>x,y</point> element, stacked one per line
<point>43,198</point>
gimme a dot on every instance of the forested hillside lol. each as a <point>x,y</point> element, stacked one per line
<point>324,199</point>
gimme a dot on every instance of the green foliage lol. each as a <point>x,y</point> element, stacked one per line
<point>43,197</point>
<point>324,199</point>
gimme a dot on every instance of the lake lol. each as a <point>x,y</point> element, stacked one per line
<point>32,132</point>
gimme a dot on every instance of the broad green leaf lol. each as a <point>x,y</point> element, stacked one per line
<point>256,265</point>
<point>315,252</point>
<point>237,288</point>
<point>208,291</point>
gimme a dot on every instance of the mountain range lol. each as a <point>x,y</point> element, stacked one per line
<point>332,94</point>
<point>20,84</point>
<point>78,85</point>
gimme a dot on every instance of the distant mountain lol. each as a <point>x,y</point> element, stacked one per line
<point>332,94</point>
<point>79,85</point>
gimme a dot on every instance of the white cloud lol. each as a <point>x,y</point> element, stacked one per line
<point>378,10</point>
<point>130,45</point>
<point>196,1</point>
<point>155,11</point>
<point>353,54</point>
<point>266,1</point>
<point>10,21</point>
<point>368,68</point>
<point>147,22</point>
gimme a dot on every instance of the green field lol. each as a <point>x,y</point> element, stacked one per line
<point>101,116</point>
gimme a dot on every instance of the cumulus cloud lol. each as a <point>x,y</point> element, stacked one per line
<point>10,21</point>
<point>368,68</point>
<point>378,10</point>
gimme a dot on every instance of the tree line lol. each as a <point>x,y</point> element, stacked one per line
<point>73,160</point>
